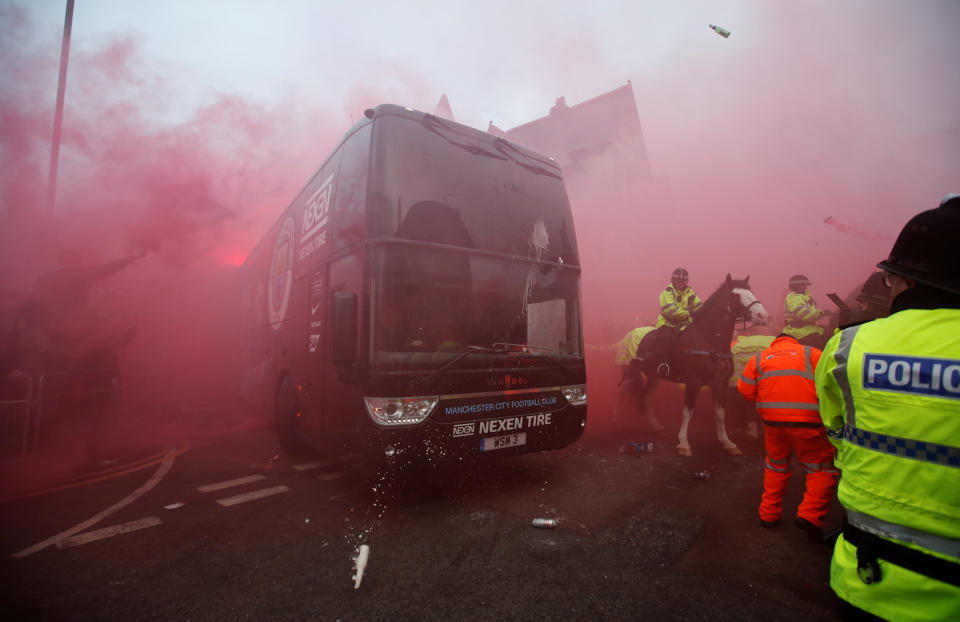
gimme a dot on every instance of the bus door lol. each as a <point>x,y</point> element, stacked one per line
<point>342,402</point>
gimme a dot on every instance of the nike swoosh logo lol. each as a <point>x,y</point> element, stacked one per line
<point>313,308</point>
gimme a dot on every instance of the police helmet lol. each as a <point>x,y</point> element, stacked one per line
<point>681,273</point>
<point>874,292</point>
<point>799,281</point>
<point>925,250</point>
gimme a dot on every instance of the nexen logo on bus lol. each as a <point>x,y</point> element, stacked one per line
<point>318,207</point>
<point>912,374</point>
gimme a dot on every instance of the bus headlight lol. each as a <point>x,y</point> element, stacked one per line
<point>390,411</point>
<point>576,394</point>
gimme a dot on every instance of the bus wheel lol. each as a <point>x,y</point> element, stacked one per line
<point>287,418</point>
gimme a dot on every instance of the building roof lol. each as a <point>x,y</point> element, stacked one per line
<point>570,134</point>
<point>443,108</point>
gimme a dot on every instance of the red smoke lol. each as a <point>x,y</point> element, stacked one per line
<point>852,230</point>
<point>752,141</point>
<point>196,193</point>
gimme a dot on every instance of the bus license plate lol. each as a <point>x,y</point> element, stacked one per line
<point>507,440</point>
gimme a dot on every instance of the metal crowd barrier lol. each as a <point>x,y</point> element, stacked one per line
<point>15,420</point>
<point>77,388</point>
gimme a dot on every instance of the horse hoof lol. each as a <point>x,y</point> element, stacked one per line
<point>734,451</point>
<point>685,451</point>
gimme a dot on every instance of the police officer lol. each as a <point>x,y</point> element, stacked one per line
<point>889,393</point>
<point>800,313</point>
<point>678,302</point>
<point>873,298</point>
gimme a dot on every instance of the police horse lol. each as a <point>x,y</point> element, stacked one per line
<point>700,356</point>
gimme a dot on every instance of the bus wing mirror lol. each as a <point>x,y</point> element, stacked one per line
<point>344,326</point>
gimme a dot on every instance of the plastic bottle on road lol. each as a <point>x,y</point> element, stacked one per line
<point>640,448</point>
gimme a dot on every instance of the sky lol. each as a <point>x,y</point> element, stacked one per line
<point>189,126</point>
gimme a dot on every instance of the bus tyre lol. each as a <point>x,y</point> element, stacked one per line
<point>286,418</point>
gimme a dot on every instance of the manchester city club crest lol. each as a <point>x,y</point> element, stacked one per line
<point>280,279</point>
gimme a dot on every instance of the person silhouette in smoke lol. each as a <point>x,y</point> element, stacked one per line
<point>60,306</point>
<point>872,299</point>
<point>70,351</point>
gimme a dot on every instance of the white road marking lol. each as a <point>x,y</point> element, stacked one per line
<point>230,484</point>
<point>106,532</point>
<point>312,465</point>
<point>251,496</point>
<point>331,476</point>
<point>90,522</point>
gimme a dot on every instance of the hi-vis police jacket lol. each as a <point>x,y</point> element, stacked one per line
<point>889,395</point>
<point>676,307</point>
<point>800,315</point>
<point>744,348</point>
<point>627,347</point>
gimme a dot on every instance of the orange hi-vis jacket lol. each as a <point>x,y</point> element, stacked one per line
<point>781,382</point>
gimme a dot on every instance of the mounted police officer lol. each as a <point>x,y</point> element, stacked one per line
<point>678,302</point>
<point>800,313</point>
<point>889,393</point>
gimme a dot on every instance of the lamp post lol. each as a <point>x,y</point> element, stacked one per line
<point>58,116</point>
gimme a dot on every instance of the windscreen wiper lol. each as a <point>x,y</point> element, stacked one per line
<point>544,352</point>
<point>506,149</point>
<point>467,351</point>
<point>434,124</point>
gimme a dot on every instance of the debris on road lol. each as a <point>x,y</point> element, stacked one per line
<point>360,562</point>
<point>637,448</point>
<point>545,523</point>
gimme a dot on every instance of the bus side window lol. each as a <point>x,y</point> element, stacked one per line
<point>352,190</point>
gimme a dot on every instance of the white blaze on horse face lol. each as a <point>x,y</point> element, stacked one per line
<point>757,314</point>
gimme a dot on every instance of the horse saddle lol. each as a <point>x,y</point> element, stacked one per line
<point>659,346</point>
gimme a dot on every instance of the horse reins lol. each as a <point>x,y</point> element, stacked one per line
<point>745,317</point>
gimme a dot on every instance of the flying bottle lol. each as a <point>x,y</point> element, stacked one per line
<point>720,30</point>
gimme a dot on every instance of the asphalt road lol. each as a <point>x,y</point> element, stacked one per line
<point>224,528</point>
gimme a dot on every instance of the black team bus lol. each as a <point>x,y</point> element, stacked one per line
<point>421,295</point>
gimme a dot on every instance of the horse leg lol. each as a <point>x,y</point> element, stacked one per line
<point>689,401</point>
<point>718,419</point>
<point>645,393</point>
<point>626,383</point>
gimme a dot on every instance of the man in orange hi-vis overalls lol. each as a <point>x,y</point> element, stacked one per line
<point>780,380</point>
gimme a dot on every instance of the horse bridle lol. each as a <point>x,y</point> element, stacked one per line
<point>746,316</point>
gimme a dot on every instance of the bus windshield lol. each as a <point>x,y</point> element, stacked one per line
<point>437,182</point>
<point>432,303</point>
